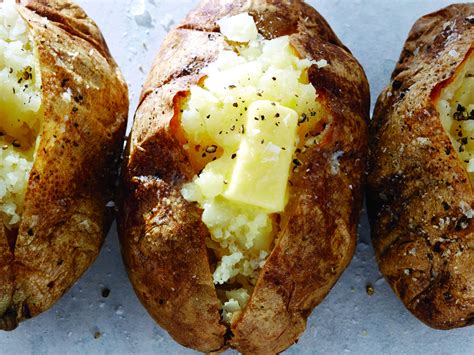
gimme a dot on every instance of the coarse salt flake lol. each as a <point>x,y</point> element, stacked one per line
<point>321,63</point>
<point>453,53</point>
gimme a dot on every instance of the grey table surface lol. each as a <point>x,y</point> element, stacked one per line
<point>347,321</point>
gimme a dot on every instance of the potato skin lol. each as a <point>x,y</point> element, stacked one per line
<point>162,235</point>
<point>419,193</point>
<point>65,218</point>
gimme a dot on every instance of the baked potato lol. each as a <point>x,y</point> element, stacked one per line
<point>63,112</point>
<point>242,181</point>
<point>421,171</point>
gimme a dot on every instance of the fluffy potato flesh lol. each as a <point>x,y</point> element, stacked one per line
<point>456,108</point>
<point>242,126</point>
<point>20,112</point>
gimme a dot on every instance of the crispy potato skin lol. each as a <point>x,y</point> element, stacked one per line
<point>65,218</point>
<point>162,235</point>
<point>415,185</point>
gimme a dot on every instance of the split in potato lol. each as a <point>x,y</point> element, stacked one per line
<point>20,112</point>
<point>242,125</point>
<point>456,108</point>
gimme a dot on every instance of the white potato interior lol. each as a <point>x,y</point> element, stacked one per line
<point>243,124</point>
<point>456,108</point>
<point>20,112</point>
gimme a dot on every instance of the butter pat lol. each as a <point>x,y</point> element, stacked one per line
<point>260,175</point>
<point>239,28</point>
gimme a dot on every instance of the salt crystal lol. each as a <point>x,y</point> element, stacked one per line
<point>453,53</point>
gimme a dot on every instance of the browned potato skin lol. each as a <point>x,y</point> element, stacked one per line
<point>162,235</point>
<point>410,190</point>
<point>65,218</point>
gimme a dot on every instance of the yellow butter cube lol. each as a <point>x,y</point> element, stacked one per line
<point>263,161</point>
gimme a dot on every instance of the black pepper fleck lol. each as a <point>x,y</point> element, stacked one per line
<point>105,292</point>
